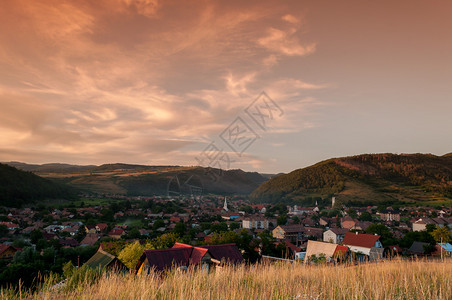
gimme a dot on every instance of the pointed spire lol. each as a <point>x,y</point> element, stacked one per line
<point>225,206</point>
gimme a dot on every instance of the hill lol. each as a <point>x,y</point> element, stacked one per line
<point>18,187</point>
<point>366,178</point>
<point>142,180</point>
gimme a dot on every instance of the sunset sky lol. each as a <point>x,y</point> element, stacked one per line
<point>156,82</point>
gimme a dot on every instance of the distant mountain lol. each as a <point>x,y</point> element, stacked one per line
<point>366,178</point>
<point>142,180</point>
<point>18,187</point>
<point>48,168</point>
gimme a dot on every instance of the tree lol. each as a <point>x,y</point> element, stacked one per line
<point>3,230</point>
<point>166,240</point>
<point>442,235</point>
<point>383,231</point>
<point>179,229</point>
<point>352,213</point>
<point>281,220</point>
<point>158,223</point>
<point>365,216</point>
<point>234,225</point>
<point>134,233</point>
<point>430,227</point>
<point>131,254</point>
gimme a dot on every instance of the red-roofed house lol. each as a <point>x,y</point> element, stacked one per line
<point>361,242</point>
<point>116,233</point>
<point>10,225</point>
<point>183,256</point>
<point>7,251</point>
<point>101,227</point>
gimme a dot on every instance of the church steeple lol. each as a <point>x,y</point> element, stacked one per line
<point>225,205</point>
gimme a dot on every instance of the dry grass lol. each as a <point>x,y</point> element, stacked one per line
<point>396,279</point>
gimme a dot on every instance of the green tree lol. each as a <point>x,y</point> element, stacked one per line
<point>383,231</point>
<point>281,220</point>
<point>166,240</point>
<point>131,254</point>
<point>352,213</point>
<point>179,229</point>
<point>158,223</point>
<point>441,235</point>
<point>365,216</point>
<point>68,269</point>
<point>3,230</point>
<point>430,227</point>
<point>234,225</point>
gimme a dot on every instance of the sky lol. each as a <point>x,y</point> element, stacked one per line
<point>267,86</point>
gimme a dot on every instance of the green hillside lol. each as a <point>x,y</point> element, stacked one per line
<point>366,178</point>
<point>142,180</point>
<point>18,187</point>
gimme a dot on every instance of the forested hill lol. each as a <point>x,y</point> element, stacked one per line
<point>143,180</point>
<point>18,187</point>
<point>366,178</point>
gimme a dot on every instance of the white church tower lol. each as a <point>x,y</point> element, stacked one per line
<point>225,205</point>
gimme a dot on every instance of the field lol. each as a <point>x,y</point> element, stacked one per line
<point>397,279</point>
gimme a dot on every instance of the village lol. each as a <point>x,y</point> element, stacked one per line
<point>214,230</point>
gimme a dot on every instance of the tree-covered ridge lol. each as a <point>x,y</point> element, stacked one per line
<point>19,187</point>
<point>384,176</point>
<point>319,178</point>
<point>144,180</point>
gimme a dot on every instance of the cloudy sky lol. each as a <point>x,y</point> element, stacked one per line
<point>181,82</point>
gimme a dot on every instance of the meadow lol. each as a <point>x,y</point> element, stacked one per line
<point>396,279</point>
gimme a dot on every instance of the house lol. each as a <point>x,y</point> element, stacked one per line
<point>90,239</point>
<point>69,242</point>
<point>293,252</point>
<point>348,222</point>
<point>445,249</point>
<point>10,225</point>
<point>90,229</point>
<point>390,215</point>
<point>440,222</point>
<point>361,225</point>
<point>183,256</point>
<point>328,250</point>
<point>394,250</point>
<point>7,251</point>
<point>418,248</point>
<point>311,232</point>
<point>308,222</point>
<point>364,243</point>
<point>103,260</point>
<point>422,223</point>
<point>324,221</point>
<point>293,233</point>
<point>259,207</point>
<point>255,223</point>
<point>101,227</point>
<point>334,235</point>
<point>116,233</point>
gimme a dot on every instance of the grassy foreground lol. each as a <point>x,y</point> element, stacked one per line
<point>386,280</point>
